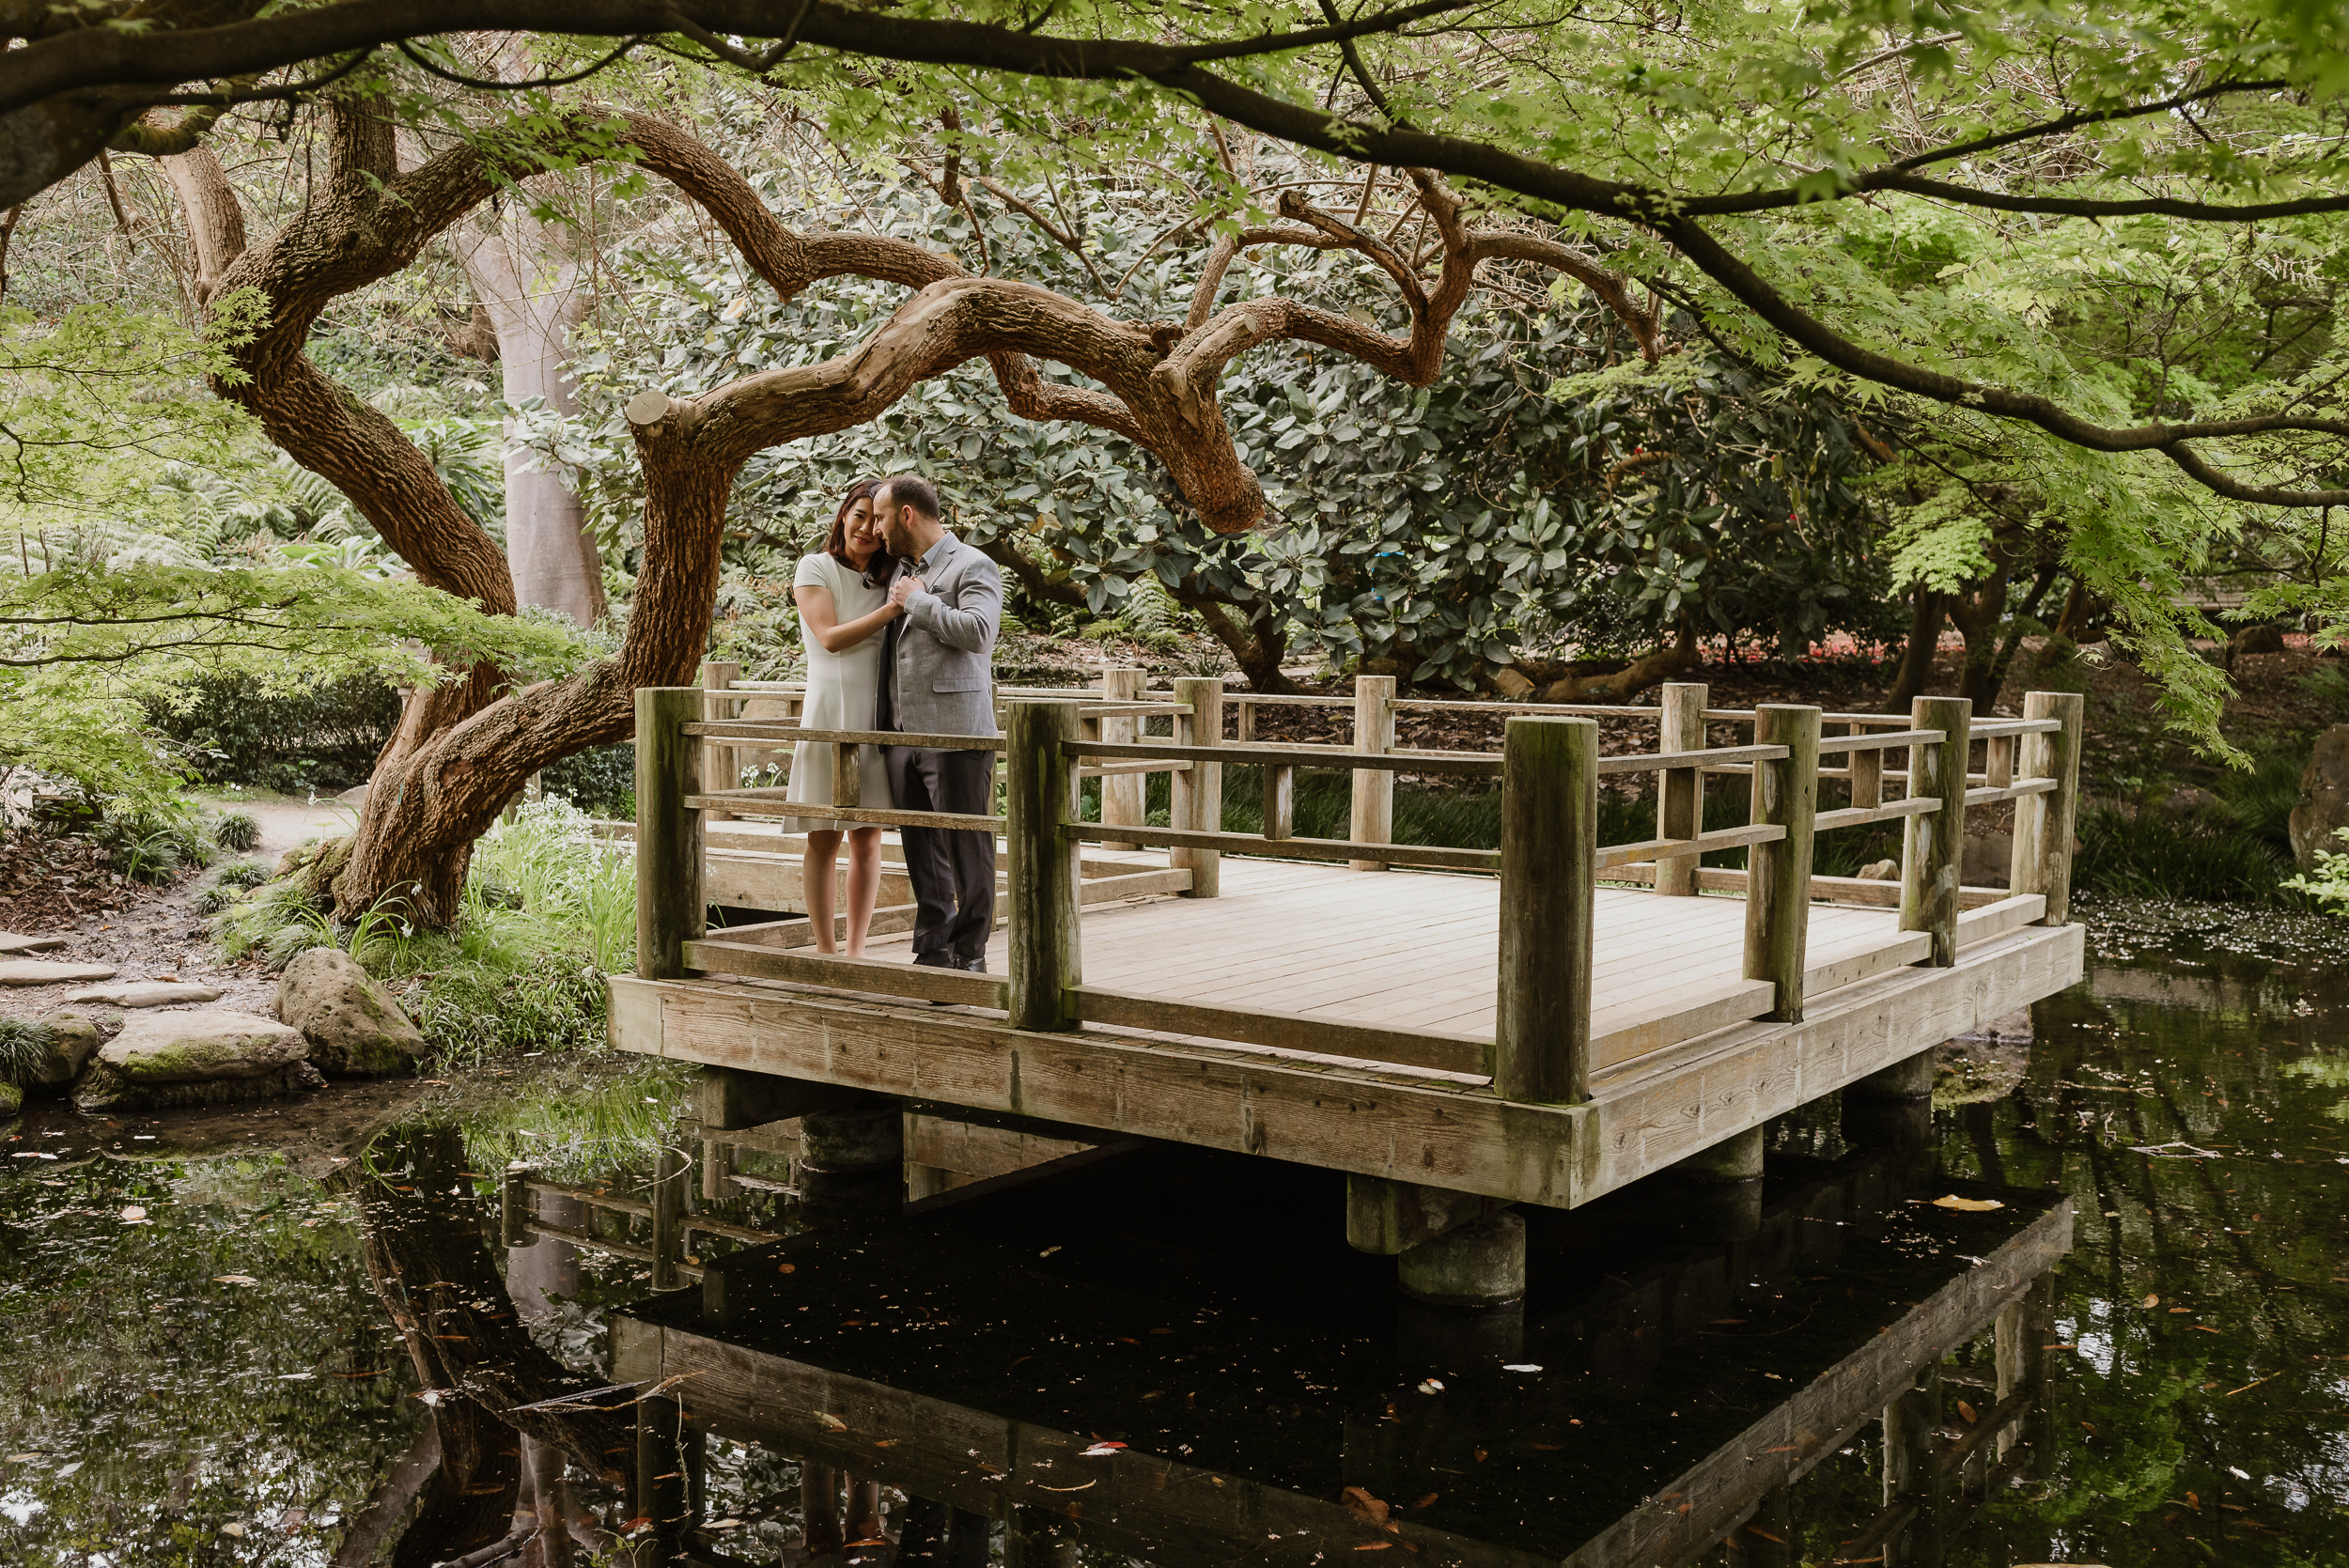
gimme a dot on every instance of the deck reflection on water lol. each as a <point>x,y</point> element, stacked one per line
<point>1168,1355</point>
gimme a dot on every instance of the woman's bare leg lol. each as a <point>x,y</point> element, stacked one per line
<point>816,872</point>
<point>865,869</point>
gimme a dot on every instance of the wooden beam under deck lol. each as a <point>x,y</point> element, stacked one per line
<point>1441,1131</point>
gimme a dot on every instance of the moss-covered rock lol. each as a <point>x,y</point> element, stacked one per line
<point>353,1026</point>
<point>202,1046</point>
<point>103,1090</point>
<point>46,1053</point>
<point>12,1100</point>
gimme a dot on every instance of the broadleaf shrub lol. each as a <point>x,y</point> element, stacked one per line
<point>233,730</point>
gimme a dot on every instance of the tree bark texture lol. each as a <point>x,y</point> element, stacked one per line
<point>463,748</point>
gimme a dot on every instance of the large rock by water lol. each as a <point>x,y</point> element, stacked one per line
<point>2324,806</point>
<point>353,1026</point>
<point>103,1090</point>
<point>202,1048</point>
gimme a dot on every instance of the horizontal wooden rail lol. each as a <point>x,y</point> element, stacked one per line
<point>761,729</point>
<point>1873,720</point>
<point>1293,757</point>
<point>590,1196</point>
<point>1996,729</point>
<point>1250,699</point>
<point>1289,849</point>
<point>731,1231</point>
<point>583,1238</point>
<point>1712,759</point>
<point>879,976</point>
<point>1655,848</point>
<point>1297,1031</point>
<point>1124,770</point>
<point>1860,817</point>
<point>2014,791</point>
<point>744,805</point>
<point>1527,710</point>
<point>1830,745</point>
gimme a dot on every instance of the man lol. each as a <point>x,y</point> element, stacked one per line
<point>938,678</point>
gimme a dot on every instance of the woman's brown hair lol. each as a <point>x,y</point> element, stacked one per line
<point>836,545</point>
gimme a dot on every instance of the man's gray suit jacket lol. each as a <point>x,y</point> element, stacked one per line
<point>941,672</point>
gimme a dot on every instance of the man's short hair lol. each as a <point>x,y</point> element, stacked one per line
<point>912,489</point>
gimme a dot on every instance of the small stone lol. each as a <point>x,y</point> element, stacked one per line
<point>11,943</point>
<point>103,1090</point>
<point>355,1027</point>
<point>143,993</point>
<point>1881,871</point>
<point>198,1047</point>
<point>43,971</point>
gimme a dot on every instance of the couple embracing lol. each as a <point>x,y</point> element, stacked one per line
<point>900,619</point>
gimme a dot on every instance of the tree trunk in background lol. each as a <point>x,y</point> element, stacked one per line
<point>1925,639</point>
<point>533,294</point>
<point>1978,612</point>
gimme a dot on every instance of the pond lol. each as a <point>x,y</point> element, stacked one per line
<point>2097,1317</point>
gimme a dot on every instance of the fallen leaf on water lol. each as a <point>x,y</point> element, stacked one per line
<point>1970,1205</point>
<point>1100,1451</point>
<point>723,1524</point>
<point>2202,1327</point>
<point>2175,1310</point>
<point>1432,1386</point>
<point>236,1531</point>
<point>1545,1447</point>
<point>1756,1530</point>
<point>884,1442</point>
<point>1360,1504</point>
<point>1373,1545</point>
<point>1965,1410</point>
<point>1480,1455</point>
<point>831,1423</point>
<point>2059,1347</point>
<point>786,1268</point>
<point>1428,1501</point>
<point>1016,1360</point>
<point>2153,1301</point>
<point>1077,1488</point>
<point>1727,1322</point>
<point>1519,1366</point>
<point>1161,1330</point>
<point>234,1280</point>
<point>133,1215</point>
<point>1048,1251</point>
<point>1784,1448</point>
<point>23,1458</point>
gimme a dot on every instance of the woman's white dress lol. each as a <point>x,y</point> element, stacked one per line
<point>843,690</point>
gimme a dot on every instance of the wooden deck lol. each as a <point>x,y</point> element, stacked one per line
<point>1543,1035</point>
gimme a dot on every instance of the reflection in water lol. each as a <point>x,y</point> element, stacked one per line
<point>1831,1377</point>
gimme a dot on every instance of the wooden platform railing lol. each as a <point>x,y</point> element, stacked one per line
<point>1549,861</point>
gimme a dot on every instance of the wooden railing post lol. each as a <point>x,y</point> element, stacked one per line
<point>1126,798</point>
<point>1934,846</point>
<point>1778,874</point>
<point>515,1208</point>
<point>2043,824</point>
<point>1549,837</point>
<point>1280,800</point>
<point>668,1219</point>
<point>1196,798</point>
<point>1371,820</point>
<point>1680,791</point>
<point>1867,774</point>
<point>669,907</point>
<point>1041,801</point>
<point>722,763</point>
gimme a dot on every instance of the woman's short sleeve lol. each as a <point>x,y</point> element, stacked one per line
<point>816,572</point>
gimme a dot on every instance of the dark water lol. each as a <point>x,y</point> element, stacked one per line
<point>232,1373</point>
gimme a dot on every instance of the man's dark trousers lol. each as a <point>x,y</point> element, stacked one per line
<point>951,870</point>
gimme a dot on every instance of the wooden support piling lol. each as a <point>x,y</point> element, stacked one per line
<point>2043,824</point>
<point>1934,846</point>
<point>1042,803</point>
<point>669,905</point>
<point>1778,882</point>
<point>515,1206</point>
<point>1125,797</point>
<point>668,1219</point>
<point>1548,842</point>
<point>1680,791</point>
<point>1373,816</point>
<point>1196,800</point>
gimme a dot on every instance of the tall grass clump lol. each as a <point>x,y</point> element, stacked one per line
<point>548,910</point>
<point>2236,847</point>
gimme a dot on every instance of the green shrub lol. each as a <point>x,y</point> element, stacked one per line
<point>601,781</point>
<point>23,1045</point>
<point>241,873</point>
<point>238,831</point>
<point>233,731</point>
<point>2123,855</point>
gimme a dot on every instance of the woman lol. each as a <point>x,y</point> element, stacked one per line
<point>842,618</point>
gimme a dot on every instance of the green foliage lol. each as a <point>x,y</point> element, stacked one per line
<point>235,729</point>
<point>153,842</point>
<point>238,831</point>
<point>601,781</point>
<point>24,1044</point>
<point>2328,884</point>
<point>2131,854</point>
